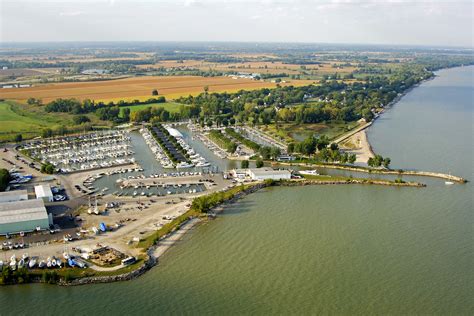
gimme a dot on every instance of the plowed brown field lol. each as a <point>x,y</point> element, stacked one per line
<point>137,88</point>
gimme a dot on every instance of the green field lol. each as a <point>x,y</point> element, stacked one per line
<point>14,119</point>
<point>30,120</point>
<point>171,107</point>
<point>298,132</point>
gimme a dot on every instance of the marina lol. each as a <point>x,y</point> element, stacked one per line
<point>382,248</point>
<point>170,149</point>
<point>83,152</point>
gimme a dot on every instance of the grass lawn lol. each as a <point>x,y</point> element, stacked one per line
<point>171,107</point>
<point>15,119</point>
<point>298,132</point>
<point>30,120</point>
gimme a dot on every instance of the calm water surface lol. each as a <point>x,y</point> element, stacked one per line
<point>327,249</point>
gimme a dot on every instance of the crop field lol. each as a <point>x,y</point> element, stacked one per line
<point>266,67</point>
<point>136,88</point>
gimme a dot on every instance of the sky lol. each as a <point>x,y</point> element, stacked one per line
<point>415,22</point>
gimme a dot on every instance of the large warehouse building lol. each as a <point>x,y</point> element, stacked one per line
<point>23,216</point>
<point>12,196</point>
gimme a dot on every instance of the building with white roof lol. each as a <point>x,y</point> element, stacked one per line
<point>44,192</point>
<point>269,173</point>
<point>174,132</point>
<point>12,196</point>
<point>23,216</point>
<point>260,174</point>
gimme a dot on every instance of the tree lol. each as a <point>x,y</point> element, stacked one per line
<point>18,138</point>
<point>154,92</point>
<point>244,164</point>
<point>386,162</point>
<point>126,114</point>
<point>47,168</point>
<point>352,159</point>
<point>4,179</point>
<point>259,163</point>
<point>265,152</point>
<point>47,132</point>
<point>367,115</point>
<point>231,147</point>
<point>370,162</point>
<point>206,89</point>
<point>291,148</point>
<point>275,152</point>
<point>80,119</point>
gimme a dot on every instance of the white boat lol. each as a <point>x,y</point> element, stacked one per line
<point>53,262</point>
<point>1,264</point>
<point>448,182</point>
<point>32,263</point>
<point>41,264</point>
<point>183,165</point>
<point>203,164</point>
<point>21,263</point>
<point>309,172</point>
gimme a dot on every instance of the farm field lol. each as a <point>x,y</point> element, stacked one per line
<point>265,67</point>
<point>136,88</point>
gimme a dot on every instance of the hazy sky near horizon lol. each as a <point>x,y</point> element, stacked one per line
<point>416,22</point>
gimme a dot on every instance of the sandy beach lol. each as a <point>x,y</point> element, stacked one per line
<point>359,145</point>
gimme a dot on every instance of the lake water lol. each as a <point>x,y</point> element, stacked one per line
<point>322,249</point>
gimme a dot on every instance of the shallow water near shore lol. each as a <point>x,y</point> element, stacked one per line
<point>322,249</point>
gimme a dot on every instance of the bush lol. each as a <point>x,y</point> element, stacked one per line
<point>4,179</point>
<point>18,138</point>
<point>50,277</point>
<point>80,119</point>
<point>48,168</point>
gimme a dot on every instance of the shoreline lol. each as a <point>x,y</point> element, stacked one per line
<point>164,244</point>
<point>377,171</point>
<point>158,248</point>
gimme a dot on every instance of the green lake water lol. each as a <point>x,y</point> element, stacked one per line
<point>321,249</point>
